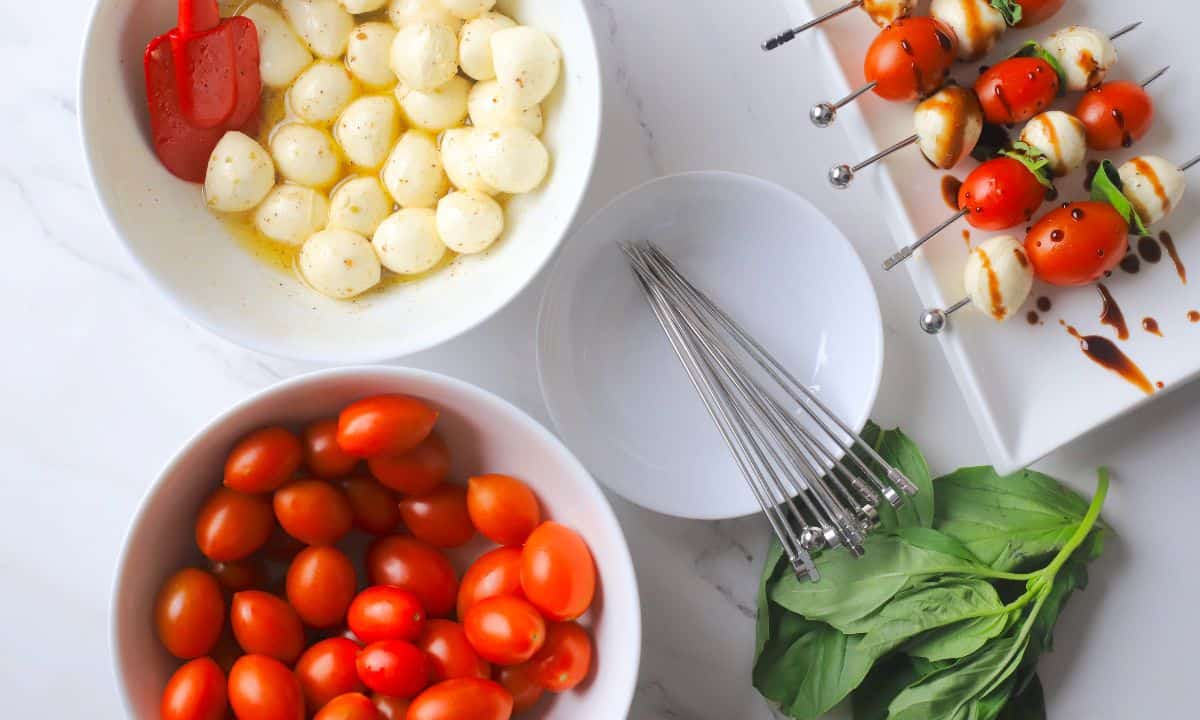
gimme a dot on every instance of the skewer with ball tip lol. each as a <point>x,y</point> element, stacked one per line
<point>882,12</point>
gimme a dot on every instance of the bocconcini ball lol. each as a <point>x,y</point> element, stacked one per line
<point>1060,136</point>
<point>512,160</point>
<point>407,241</point>
<point>468,221</point>
<point>291,213</point>
<point>489,108</point>
<point>413,172</point>
<point>359,7</point>
<point>359,204</point>
<point>998,276</point>
<point>281,54</point>
<point>527,64</point>
<point>977,24</point>
<point>407,12</point>
<point>367,129</point>
<point>424,56</point>
<point>1154,186</point>
<point>323,25</point>
<point>305,155</point>
<point>368,54</point>
<point>339,263</point>
<point>1085,55</point>
<point>467,9</point>
<point>240,174</point>
<point>475,44</point>
<point>438,109</point>
<point>461,160</point>
<point>948,125</point>
<point>321,92</point>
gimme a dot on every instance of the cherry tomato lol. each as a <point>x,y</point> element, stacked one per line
<point>910,58</point>
<point>1115,115</point>
<point>313,511</point>
<point>189,613</point>
<point>263,460</point>
<point>245,574</point>
<point>265,625</point>
<point>320,586</point>
<point>518,681</point>
<point>999,194</point>
<point>496,572</point>
<point>439,518</point>
<point>565,658</point>
<point>415,566</point>
<point>1016,89</point>
<point>385,612</point>
<point>505,630</point>
<point>504,509</point>
<point>394,667</point>
<point>322,455</point>
<point>351,706</point>
<point>1078,243</point>
<point>463,699</point>
<point>450,653</point>
<point>1037,11</point>
<point>415,472</point>
<point>326,670</point>
<point>195,692</point>
<point>262,688</point>
<point>390,708</point>
<point>232,525</point>
<point>557,572</point>
<point>384,424</point>
<point>375,510</point>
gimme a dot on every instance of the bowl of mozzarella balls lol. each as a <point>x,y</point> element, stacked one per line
<point>413,164</point>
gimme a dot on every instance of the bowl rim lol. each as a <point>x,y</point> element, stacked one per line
<point>591,487</point>
<point>400,347</point>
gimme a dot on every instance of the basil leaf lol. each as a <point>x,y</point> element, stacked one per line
<point>814,673</point>
<point>870,700</point>
<point>1033,49</point>
<point>903,454</point>
<point>991,705</point>
<point>1073,576</point>
<point>1107,187</point>
<point>911,614</point>
<point>1028,704</point>
<point>958,640</point>
<point>1010,9</point>
<point>950,692</point>
<point>1033,160</point>
<point>938,541</point>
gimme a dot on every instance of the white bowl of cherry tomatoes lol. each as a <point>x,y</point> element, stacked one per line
<point>371,544</point>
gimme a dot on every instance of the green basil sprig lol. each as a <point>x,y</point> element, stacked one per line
<point>1107,187</point>
<point>1031,158</point>
<point>1010,9</point>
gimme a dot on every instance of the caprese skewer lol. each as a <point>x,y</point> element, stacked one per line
<point>881,12</point>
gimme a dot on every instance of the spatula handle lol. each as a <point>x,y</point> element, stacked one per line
<point>196,16</point>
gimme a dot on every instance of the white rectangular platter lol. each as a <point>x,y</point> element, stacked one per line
<point>1029,386</point>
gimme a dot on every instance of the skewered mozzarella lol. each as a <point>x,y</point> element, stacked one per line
<point>1153,185</point>
<point>323,25</point>
<point>367,129</point>
<point>407,241</point>
<point>948,125</point>
<point>339,263</point>
<point>489,108</point>
<point>321,92</point>
<point>886,12</point>
<point>406,12</point>
<point>1060,137</point>
<point>413,172</point>
<point>424,56</point>
<point>527,64</point>
<point>291,213</point>
<point>281,54</point>
<point>305,155</point>
<point>435,110</point>
<point>469,221</point>
<point>359,204</point>
<point>461,160</point>
<point>977,24</point>
<point>240,174</point>
<point>475,44</point>
<point>368,54</point>
<point>512,160</point>
<point>467,9</point>
<point>998,276</point>
<point>359,7</point>
<point>1085,55</point>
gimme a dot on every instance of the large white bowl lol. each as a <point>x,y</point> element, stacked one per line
<point>192,259</point>
<point>485,434</point>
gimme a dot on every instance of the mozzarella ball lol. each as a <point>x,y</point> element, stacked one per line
<point>998,276</point>
<point>359,204</point>
<point>407,241</point>
<point>281,55</point>
<point>368,54</point>
<point>435,110</point>
<point>1085,55</point>
<point>1153,185</point>
<point>240,174</point>
<point>948,125</point>
<point>1061,137</point>
<point>359,7</point>
<point>467,9</point>
<point>413,172</point>
<point>321,92</point>
<point>977,24</point>
<point>512,160</point>
<point>323,25</point>
<point>886,12</point>
<point>527,63</point>
<point>305,155</point>
<point>469,222</point>
<point>424,56</point>
<point>489,109</point>
<point>407,12</point>
<point>461,160</point>
<point>290,213</point>
<point>367,129</point>
<point>339,263</point>
<point>475,44</point>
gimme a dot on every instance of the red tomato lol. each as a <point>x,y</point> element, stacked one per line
<point>262,688</point>
<point>518,681</point>
<point>1077,243</point>
<point>439,518</point>
<point>1016,89</point>
<point>505,630</point>
<point>384,424</point>
<point>1037,11</point>
<point>313,511</point>
<point>351,706</point>
<point>450,653</point>
<point>263,460</point>
<point>496,572</point>
<point>910,58</point>
<point>415,566</point>
<point>565,658</point>
<point>1115,115</point>
<point>393,667</point>
<point>1000,194</point>
<point>189,613</point>
<point>415,472</point>
<point>463,699</point>
<point>375,509</point>
<point>265,625</point>
<point>320,586</point>
<point>384,612</point>
<point>326,670</point>
<point>557,572</point>
<point>390,708</point>
<point>245,574</point>
<point>195,692</point>
<point>232,525</point>
<point>504,509</point>
<point>322,455</point>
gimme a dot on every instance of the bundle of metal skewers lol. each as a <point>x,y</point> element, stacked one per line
<point>818,483</point>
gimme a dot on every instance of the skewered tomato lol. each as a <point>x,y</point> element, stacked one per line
<point>1037,11</point>
<point>322,455</point>
<point>262,688</point>
<point>195,692</point>
<point>1115,115</point>
<point>313,511</point>
<point>411,564</point>
<point>327,670</point>
<point>263,460</point>
<point>384,424</point>
<point>557,572</point>
<point>265,625</point>
<point>189,613</point>
<point>416,472</point>
<point>505,630</point>
<point>375,509</point>
<point>1016,89</point>
<point>910,58</point>
<point>450,653</point>
<point>320,585</point>
<point>384,612</point>
<point>463,699</point>
<point>496,572</point>
<point>394,667</point>
<point>503,508</point>
<point>232,525</point>
<point>1001,193</point>
<point>1077,243</point>
<point>439,518</point>
<point>565,658</point>
<point>351,706</point>
<point>518,681</point>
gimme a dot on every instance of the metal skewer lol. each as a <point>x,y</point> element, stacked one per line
<point>788,35</point>
<point>823,114</point>
<point>841,175</point>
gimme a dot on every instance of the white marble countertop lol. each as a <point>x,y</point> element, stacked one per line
<point>103,381</point>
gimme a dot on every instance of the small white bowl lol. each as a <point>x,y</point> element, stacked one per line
<point>191,258</point>
<point>485,434</point>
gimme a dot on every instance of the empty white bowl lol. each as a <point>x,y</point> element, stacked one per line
<point>192,259</point>
<point>485,434</point>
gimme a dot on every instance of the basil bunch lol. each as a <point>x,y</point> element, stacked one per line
<point>946,614</point>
